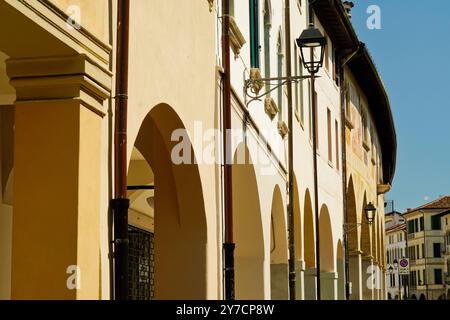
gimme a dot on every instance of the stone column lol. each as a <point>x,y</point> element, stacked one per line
<point>56,232</point>
<point>279,281</point>
<point>310,284</point>
<point>355,266</point>
<point>6,174</point>
<point>341,280</point>
<point>329,285</point>
<point>368,278</point>
<point>383,285</point>
<point>300,280</point>
<point>378,281</point>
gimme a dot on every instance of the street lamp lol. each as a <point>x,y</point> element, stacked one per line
<point>398,279</point>
<point>312,39</point>
<point>370,213</point>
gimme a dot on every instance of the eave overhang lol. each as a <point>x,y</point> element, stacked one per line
<point>336,23</point>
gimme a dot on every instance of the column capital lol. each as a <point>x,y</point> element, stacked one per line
<point>310,272</point>
<point>329,275</point>
<point>368,258</point>
<point>300,265</point>
<point>355,253</point>
<point>60,78</point>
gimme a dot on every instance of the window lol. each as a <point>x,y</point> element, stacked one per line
<point>437,250</point>
<point>141,279</point>
<point>438,276</point>
<point>330,139</point>
<point>336,129</point>
<point>280,73</point>
<point>435,223</point>
<point>365,137</point>
<point>254,33</point>
<point>298,65</point>
<point>267,27</point>
<point>413,278</point>
<point>335,69</point>
<point>421,224</point>
<point>410,227</point>
<point>300,103</point>
<point>423,250</point>
<point>347,101</point>
<point>412,253</point>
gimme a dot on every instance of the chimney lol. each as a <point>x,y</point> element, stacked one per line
<point>348,5</point>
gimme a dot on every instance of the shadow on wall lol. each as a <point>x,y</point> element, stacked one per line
<point>279,281</point>
<point>180,219</point>
<point>247,228</point>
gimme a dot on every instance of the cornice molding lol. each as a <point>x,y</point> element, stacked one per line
<point>60,78</point>
<point>51,18</point>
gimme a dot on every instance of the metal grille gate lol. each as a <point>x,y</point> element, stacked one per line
<point>141,264</point>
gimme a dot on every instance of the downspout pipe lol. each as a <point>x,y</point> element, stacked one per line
<point>120,203</point>
<point>228,245</point>
<point>290,208</point>
<point>344,171</point>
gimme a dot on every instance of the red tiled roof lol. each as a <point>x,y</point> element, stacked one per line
<point>440,203</point>
<point>396,228</point>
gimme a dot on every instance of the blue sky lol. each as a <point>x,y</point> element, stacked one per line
<point>412,53</point>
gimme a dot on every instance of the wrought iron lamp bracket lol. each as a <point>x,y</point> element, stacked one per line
<point>349,227</point>
<point>251,93</point>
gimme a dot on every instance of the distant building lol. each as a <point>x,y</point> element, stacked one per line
<point>395,227</point>
<point>445,222</point>
<point>425,249</point>
<point>392,219</point>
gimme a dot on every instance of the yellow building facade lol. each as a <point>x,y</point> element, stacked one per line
<point>57,95</point>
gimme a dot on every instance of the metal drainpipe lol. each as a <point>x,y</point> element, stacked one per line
<point>344,184</point>
<point>290,208</point>
<point>228,245</point>
<point>344,173</point>
<point>120,203</point>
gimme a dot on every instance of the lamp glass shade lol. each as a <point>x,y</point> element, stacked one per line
<point>370,212</point>
<point>309,41</point>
